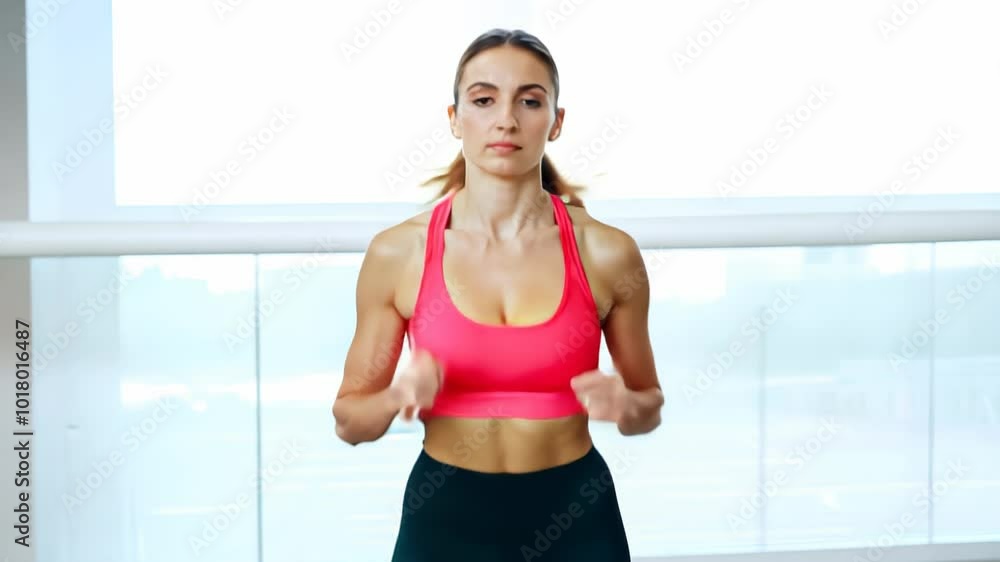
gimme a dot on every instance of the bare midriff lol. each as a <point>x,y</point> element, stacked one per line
<point>511,445</point>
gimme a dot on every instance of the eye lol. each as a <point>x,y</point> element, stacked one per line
<point>533,103</point>
<point>477,100</point>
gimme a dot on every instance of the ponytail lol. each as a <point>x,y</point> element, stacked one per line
<point>552,181</point>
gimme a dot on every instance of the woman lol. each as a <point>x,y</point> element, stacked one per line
<point>503,290</point>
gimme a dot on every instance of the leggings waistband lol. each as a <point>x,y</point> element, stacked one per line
<point>591,458</point>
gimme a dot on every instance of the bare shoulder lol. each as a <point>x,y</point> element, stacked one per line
<point>611,250</point>
<point>396,245</point>
<point>610,257</point>
<point>393,262</point>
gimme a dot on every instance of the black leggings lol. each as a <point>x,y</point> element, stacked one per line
<point>564,513</point>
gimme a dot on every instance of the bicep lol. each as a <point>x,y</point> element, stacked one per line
<point>626,329</point>
<point>379,330</point>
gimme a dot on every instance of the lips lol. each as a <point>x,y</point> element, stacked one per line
<point>506,145</point>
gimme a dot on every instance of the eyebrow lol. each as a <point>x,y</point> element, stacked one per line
<point>520,89</point>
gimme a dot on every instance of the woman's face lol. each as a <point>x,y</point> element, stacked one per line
<point>505,95</point>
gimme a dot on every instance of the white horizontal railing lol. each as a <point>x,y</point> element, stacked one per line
<point>25,239</point>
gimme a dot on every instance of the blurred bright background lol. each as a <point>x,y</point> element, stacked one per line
<point>864,397</point>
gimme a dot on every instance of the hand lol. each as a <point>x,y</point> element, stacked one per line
<point>603,395</point>
<point>416,386</point>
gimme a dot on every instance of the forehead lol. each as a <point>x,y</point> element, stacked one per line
<point>506,67</point>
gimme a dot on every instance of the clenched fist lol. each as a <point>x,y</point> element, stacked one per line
<point>416,386</point>
<point>602,394</point>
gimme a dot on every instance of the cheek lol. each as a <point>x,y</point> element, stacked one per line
<point>474,124</point>
<point>534,118</point>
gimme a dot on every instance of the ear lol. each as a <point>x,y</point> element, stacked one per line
<point>556,129</point>
<point>456,127</point>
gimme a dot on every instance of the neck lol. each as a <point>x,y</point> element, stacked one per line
<point>502,208</point>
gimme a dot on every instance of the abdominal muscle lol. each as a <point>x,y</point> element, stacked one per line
<point>506,444</point>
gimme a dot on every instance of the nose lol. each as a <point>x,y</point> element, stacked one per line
<point>506,118</point>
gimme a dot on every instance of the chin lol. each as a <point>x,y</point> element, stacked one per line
<point>507,171</point>
<point>507,166</point>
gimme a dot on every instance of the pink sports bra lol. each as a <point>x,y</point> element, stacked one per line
<point>495,371</point>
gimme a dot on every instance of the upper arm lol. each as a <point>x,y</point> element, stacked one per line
<point>379,329</point>
<point>626,327</point>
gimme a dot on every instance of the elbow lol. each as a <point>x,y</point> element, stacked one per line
<point>346,436</point>
<point>341,426</point>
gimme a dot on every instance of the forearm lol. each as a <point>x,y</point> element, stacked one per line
<point>642,411</point>
<point>364,417</point>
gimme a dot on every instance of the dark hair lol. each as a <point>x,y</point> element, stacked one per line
<point>454,177</point>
